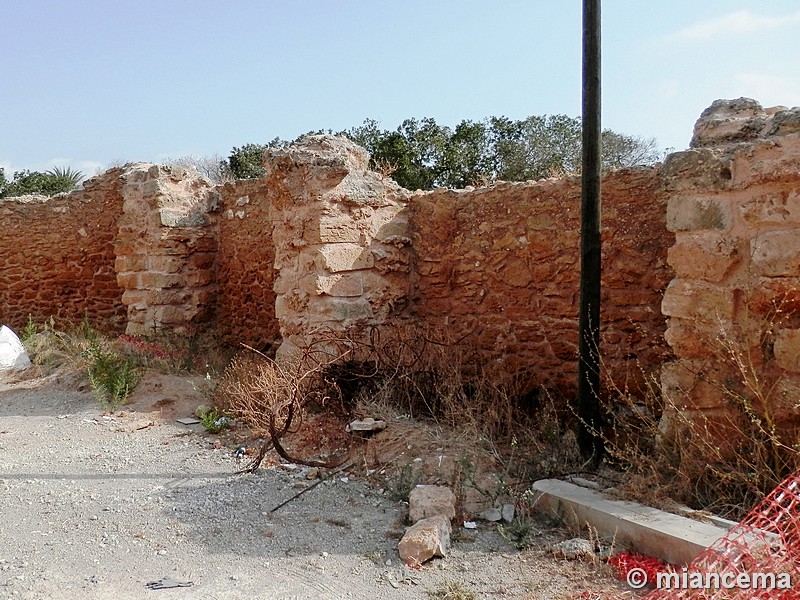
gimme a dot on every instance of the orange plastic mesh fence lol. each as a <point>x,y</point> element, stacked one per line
<point>766,542</point>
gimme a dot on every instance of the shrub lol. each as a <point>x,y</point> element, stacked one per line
<point>112,376</point>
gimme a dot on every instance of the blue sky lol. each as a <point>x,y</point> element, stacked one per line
<point>86,83</point>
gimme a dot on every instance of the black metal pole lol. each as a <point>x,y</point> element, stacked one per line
<point>588,400</point>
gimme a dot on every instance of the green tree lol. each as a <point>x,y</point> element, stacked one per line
<point>421,154</point>
<point>468,156</point>
<point>628,151</point>
<point>55,181</point>
<point>247,162</point>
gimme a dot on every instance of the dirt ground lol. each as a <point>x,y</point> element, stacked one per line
<point>97,506</point>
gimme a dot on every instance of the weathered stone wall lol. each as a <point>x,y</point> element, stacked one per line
<point>503,262</point>
<point>340,235</point>
<point>321,244</point>
<point>57,255</point>
<point>166,249</point>
<point>734,305</point>
<point>246,266</point>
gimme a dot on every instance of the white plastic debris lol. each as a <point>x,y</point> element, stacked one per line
<point>13,356</point>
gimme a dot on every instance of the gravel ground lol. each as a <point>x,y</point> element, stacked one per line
<point>97,506</point>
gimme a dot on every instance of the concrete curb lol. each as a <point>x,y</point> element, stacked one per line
<point>653,532</point>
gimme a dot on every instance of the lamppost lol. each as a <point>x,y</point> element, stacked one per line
<point>588,400</point>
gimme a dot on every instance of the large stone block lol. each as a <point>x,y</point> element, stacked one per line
<point>151,280</point>
<point>431,500</point>
<point>128,281</point>
<point>698,300</point>
<point>165,264</point>
<point>133,262</point>
<point>425,539</point>
<point>345,285</point>
<point>701,169</point>
<point>781,205</point>
<point>333,229</point>
<point>729,121</point>
<point>706,256</point>
<point>321,309</point>
<point>392,226</point>
<point>344,257</point>
<point>690,213</point>
<point>690,339</point>
<point>776,253</point>
<point>685,384</point>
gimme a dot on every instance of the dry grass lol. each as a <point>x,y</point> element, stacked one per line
<point>448,423</point>
<point>724,460</point>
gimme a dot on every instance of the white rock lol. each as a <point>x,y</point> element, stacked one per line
<point>368,424</point>
<point>13,356</point>
<point>574,548</point>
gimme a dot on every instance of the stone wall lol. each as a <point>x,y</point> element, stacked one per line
<point>734,305</point>
<point>503,263</point>
<point>57,255</point>
<point>166,250</point>
<point>340,236</point>
<point>320,245</point>
<point>246,266</point>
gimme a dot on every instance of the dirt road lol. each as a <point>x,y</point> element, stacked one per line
<point>98,506</point>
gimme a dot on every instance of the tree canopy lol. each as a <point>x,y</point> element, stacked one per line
<point>48,183</point>
<point>421,154</point>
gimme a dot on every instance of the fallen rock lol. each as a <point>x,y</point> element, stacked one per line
<point>430,500</point>
<point>13,356</point>
<point>425,539</point>
<point>574,549</point>
<point>507,512</point>
<point>366,425</point>
<point>491,514</point>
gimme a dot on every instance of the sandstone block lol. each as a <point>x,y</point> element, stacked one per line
<point>699,169</point>
<point>321,309</point>
<point>430,500</point>
<point>698,300</point>
<point>151,187</point>
<point>181,218</point>
<point>344,257</point>
<point>200,278</point>
<point>685,385</point>
<point>344,285</point>
<point>775,206</point>
<point>776,253</point>
<point>787,349</point>
<point>150,280</point>
<point>132,262</point>
<point>334,229</point>
<point>395,227</point>
<point>128,281</point>
<point>729,121</point>
<point>425,539</point>
<point>201,260</point>
<point>690,339</point>
<point>706,256</point>
<point>690,213</point>
<point>171,315</point>
<point>165,264</point>
<point>135,298</point>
